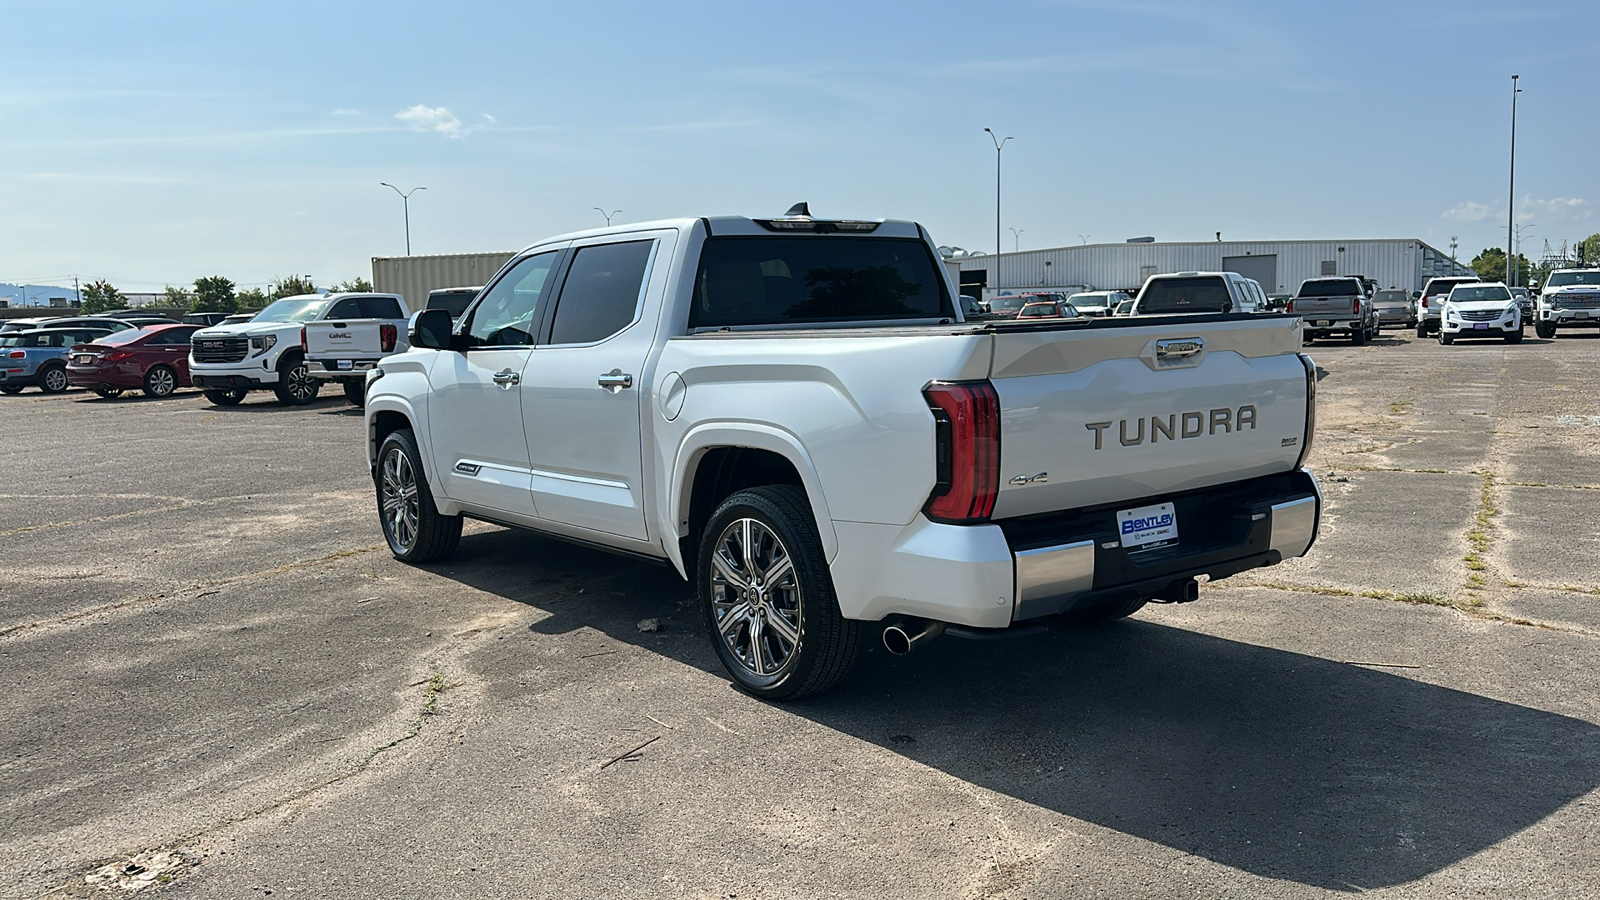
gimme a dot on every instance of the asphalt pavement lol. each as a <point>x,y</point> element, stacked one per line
<point>222,685</point>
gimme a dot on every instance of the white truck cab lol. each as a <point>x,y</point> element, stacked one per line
<point>1570,299</point>
<point>1199,292</point>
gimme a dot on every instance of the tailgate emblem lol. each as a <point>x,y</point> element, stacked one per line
<point>1041,478</point>
<point>1177,348</point>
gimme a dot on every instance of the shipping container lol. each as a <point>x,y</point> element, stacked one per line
<point>412,277</point>
<point>1279,266</point>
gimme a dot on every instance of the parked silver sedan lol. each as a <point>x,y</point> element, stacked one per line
<point>1394,308</point>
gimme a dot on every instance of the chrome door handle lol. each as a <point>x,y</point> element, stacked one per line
<point>615,381</point>
<point>507,378</point>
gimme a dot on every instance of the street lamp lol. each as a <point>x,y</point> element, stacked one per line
<point>405,200</point>
<point>1516,258</point>
<point>606,214</point>
<point>1085,237</point>
<point>1016,239</point>
<point>1511,202</point>
<point>999,144</point>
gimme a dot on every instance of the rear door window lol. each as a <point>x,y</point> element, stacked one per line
<point>601,293</point>
<point>380,308</point>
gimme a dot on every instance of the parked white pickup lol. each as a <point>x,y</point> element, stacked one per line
<point>356,333</point>
<point>792,413</point>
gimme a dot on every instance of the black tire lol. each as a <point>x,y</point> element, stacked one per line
<point>53,379</point>
<point>229,397</point>
<point>10,388</point>
<point>1446,339</point>
<point>1358,337</point>
<point>776,523</point>
<point>1544,330</point>
<point>295,385</point>
<point>1514,337</point>
<point>1422,330</point>
<point>356,392</point>
<point>1107,612</point>
<point>108,392</point>
<point>412,525</point>
<point>160,381</point>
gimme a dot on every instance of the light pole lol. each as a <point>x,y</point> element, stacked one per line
<point>608,215</point>
<point>405,200</point>
<point>1085,237</point>
<point>1016,239</point>
<point>1452,253</point>
<point>1511,202</point>
<point>1516,259</point>
<point>999,144</point>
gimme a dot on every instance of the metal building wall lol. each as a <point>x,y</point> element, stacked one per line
<point>412,277</point>
<point>1398,262</point>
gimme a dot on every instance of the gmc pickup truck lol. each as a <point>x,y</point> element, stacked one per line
<point>265,353</point>
<point>357,331</point>
<point>1570,299</point>
<point>792,414</point>
<point>1336,306</point>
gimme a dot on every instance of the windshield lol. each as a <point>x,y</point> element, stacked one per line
<point>1487,292</point>
<point>1009,301</point>
<point>1185,295</point>
<point>1400,297</point>
<point>1562,279</point>
<point>296,310</point>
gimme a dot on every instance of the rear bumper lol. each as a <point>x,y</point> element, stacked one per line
<point>109,376</point>
<point>328,370</point>
<point>989,576</point>
<point>1327,326</point>
<point>19,379</point>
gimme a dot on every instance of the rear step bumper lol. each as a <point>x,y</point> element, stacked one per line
<point>1067,561</point>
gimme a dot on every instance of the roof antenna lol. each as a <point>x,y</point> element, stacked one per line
<point>799,209</point>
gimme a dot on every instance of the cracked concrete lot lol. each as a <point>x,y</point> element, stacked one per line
<point>219,684</point>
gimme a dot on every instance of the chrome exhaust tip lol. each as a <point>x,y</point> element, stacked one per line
<point>899,641</point>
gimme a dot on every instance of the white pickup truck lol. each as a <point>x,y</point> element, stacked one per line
<point>357,331</point>
<point>792,413</point>
<point>266,352</point>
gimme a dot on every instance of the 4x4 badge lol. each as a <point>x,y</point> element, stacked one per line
<point>1040,478</point>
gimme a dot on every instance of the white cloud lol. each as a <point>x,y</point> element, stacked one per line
<point>489,120</point>
<point>435,118</point>
<point>347,112</point>
<point>1467,212</point>
<point>1556,209</point>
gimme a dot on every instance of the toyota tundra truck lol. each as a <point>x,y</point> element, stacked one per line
<point>264,353</point>
<point>792,413</point>
<point>1570,299</point>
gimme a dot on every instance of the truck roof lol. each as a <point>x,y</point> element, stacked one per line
<point>718,226</point>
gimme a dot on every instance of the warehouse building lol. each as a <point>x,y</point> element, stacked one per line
<point>1279,266</point>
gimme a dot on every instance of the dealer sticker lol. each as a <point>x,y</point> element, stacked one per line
<point>1148,527</point>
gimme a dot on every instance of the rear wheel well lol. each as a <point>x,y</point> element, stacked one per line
<point>722,472</point>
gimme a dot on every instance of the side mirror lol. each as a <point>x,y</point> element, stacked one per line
<point>430,328</point>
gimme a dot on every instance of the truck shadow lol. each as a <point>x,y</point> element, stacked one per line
<point>1272,762</point>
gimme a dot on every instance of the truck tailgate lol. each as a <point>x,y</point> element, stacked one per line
<point>349,338</point>
<point>1097,416</point>
<point>1325,307</point>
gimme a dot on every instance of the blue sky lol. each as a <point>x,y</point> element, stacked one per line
<point>152,143</point>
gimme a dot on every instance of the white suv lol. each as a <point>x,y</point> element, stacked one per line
<point>1199,292</point>
<point>1480,310</point>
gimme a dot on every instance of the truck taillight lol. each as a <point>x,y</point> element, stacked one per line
<point>967,437</point>
<point>387,335</point>
<point>1289,307</point>
<point>303,347</point>
<point>1358,306</point>
<point>1311,409</point>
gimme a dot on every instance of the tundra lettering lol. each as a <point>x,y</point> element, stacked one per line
<point>1194,425</point>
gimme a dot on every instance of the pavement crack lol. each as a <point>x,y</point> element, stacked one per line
<point>1472,608</point>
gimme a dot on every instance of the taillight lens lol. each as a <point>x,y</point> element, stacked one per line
<point>17,354</point>
<point>1358,306</point>
<point>386,337</point>
<point>967,434</point>
<point>1311,409</point>
<point>302,339</point>
<point>117,356</point>
<point>1289,307</point>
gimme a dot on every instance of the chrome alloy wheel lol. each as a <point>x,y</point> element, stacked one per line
<point>55,380</point>
<point>162,382</point>
<point>755,597</point>
<point>302,386</point>
<point>401,507</point>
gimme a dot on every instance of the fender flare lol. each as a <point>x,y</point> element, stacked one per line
<point>398,404</point>
<point>709,436</point>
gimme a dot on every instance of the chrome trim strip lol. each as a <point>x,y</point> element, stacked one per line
<point>1049,573</point>
<point>1294,526</point>
<point>579,479</point>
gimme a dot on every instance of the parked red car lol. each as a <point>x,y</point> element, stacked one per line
<point>155,359</point>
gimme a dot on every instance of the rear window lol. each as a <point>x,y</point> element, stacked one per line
<point>1009,301</point>
<point>800,280</point>
<point>1469,294</point>
<point>122,337</point>
<point>1443,286</point>
<point>1338,287</point>
<point>1185,295</point>
<point>453,302</point>
<point>1391,297</point>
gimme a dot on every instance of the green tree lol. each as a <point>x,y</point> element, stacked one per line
<point>1588,250</point>
<point>214,294</point>
<point>1490,264</point>
<point>252,298</point>
<point>178,298</point>
<point>356,285</point>
<point>99,296</point>
<point>292,285</point>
